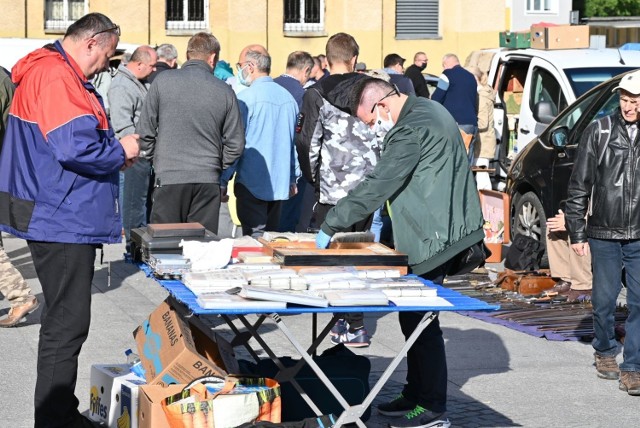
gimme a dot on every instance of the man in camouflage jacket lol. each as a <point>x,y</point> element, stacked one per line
<point>335,149</point>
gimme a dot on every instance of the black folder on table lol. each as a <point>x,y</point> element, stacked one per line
<point>144,244</point>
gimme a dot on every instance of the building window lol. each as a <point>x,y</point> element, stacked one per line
<point>187,14</point>
<point>59,14</point>
<point>303,16</point>
<point>542,6</point>
<point>417,19</point>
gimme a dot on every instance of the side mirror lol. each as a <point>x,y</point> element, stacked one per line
<point>544,112</point>
<point>560,137</point>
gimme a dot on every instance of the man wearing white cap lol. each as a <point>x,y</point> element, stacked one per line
<point>605,187</point>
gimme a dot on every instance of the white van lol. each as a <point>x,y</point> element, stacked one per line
<point>534,85</point>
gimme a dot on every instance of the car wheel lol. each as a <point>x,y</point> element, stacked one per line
<point>530,220</point>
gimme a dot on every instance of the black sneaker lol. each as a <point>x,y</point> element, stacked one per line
<point>341,327</point>
<point>357,339</point>
<point>420,417</point>
<point>399,406</point>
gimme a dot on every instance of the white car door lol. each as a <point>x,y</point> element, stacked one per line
<point>544,84</point>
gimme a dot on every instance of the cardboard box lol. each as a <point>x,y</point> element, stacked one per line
<point>560,37</point>
<point>515,40</point>
<point>114,395</point>
<point>170,354</point>
<point>151,414</point>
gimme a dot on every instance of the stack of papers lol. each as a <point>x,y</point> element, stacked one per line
<point>356,298</point>
<point>233,301</point>
<point>213,281</point>
<point>304,297</point>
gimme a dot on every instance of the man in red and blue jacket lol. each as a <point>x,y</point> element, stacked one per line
<point>59,191</point>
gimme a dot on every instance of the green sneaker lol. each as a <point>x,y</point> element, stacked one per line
<point>420,417</point>
<point>399,406</point>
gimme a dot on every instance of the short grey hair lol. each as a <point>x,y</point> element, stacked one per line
<point>261,61</point>
<point>167,51</point>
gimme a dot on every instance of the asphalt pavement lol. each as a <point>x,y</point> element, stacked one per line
<point>498,377</point>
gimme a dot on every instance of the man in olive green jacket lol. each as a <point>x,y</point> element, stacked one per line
<point>424,173</point>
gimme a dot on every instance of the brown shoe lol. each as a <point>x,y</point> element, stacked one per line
<point>607,367</point>
<point>561,286</point>
<point>17,313</point>
<point>630,382</point>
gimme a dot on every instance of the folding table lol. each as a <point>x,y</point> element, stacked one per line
<point>184,301</point>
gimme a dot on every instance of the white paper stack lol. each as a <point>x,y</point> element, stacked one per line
<point>394,282</point>
<point>304,297</point>
<point>339,284</point>
<point>320,277</point>
<point>356,298</point>
<point>233,301</point>
<point>213,281</point>
<point>401,291</point>
<point>378,273</point>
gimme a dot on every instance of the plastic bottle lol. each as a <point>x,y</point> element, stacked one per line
<point>132,358</point>
<point>135,365</point>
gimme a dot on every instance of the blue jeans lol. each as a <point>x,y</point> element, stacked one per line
<point>608,258</point>
<point>472,130</point>
<point>133,191</point>
<point>377,224</point>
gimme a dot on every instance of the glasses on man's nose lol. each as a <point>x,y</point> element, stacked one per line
<point>394,91</point>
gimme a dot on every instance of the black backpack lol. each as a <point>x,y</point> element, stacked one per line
<point>525,253</point>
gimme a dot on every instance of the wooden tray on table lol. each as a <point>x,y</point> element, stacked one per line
<point>362,255</point>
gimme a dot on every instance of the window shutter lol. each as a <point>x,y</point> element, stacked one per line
<point>417,19</point>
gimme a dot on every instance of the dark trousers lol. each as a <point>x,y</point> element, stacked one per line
<point>187,203</point>
<point>65,272</point>
<point>355,319</point>
<point>426,359</point>
<point>256,216</point>
<point>292,208</point>
<point>134,196</point>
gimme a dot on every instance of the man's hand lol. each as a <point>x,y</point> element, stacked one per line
<point>224,196</point>
<point>131,149</point>
<point>293,190</point>
<point>556,224</point>
<point>322,240</point>
<point>581,248</point>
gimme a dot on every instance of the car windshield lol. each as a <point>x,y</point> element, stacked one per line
<point>583,79</point>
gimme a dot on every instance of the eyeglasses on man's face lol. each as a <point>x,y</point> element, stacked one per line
<point>240,65</point>
<point>394,91</point>
<point>115,30</point>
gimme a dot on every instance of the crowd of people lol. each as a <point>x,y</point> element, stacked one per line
<point>74,176</point>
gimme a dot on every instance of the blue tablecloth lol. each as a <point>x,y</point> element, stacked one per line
<point>458,301</point>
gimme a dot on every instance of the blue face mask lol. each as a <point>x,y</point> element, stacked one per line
<point>241,78</point>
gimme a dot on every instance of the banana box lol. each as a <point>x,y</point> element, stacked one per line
<point>114,395</point>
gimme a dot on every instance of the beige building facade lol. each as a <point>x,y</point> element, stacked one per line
<point>381,27</point>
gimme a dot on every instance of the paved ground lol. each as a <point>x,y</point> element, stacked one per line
<point>497,377</point>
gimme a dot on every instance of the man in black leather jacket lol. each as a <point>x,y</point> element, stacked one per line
<point>603,218</point>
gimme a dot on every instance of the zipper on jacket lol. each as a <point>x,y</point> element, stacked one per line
<point>631,166</point>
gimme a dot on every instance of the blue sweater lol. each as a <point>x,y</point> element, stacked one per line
<point>457,91</point>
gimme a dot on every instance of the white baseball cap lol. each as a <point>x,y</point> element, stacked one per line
<point>630,83</point>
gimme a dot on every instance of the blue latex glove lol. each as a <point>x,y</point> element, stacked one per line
<point>322,240</point>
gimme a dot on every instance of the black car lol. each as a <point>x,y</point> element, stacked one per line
<point>539,176</point>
